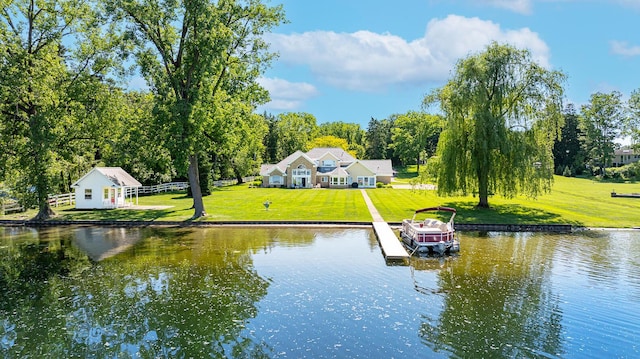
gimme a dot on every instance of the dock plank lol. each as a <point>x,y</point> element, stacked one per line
<point>391,246</point>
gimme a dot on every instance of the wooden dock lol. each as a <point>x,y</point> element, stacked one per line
<point>389,242</point>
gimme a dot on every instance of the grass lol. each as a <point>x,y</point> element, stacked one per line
<point>580,202</point>
<point>405,174</point>
<point>236,203</point>
<point>575,201</point>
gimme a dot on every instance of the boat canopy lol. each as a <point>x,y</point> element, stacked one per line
<point>439,208</point>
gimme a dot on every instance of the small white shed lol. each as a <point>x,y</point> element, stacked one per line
<point>106,187</point>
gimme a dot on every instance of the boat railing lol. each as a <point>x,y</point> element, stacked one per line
<point>434,237</point>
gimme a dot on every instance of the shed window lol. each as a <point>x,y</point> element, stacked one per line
<point>87,193</point>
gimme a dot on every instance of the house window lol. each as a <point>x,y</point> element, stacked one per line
<point>366,181</point>
<point>87,193</point>
<point>105,194</point>
<point>328,163</point>
<point>301,171</point>
<point>338,181</point>
<point>324,179</point>
<point>275,180</point>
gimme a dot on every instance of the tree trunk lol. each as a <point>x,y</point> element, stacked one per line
<point>418,164</point>
<point>238,176</point>
<point>38,172</point>
<point>194,183</point>
<point>483,189</point>
<point>484,199</point>
<point>45,212</point>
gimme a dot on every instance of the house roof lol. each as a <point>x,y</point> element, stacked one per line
<point>379,167</point>
<point>116,175</point>
<point>624,151</point>
<point>338,172</point>
<point>267,169</point>
<point>339,153</point>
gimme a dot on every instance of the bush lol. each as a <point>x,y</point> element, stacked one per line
<point>567,171</point>
<point>380,185</point>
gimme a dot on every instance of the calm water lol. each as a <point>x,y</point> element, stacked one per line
<point>298,292</point>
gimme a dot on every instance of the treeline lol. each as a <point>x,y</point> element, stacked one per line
<point>587,143</point>
<point>403,138</point>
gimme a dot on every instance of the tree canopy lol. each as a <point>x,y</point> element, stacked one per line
<point>415,134</point>
<point>503,113</point>
<point>602,121</point>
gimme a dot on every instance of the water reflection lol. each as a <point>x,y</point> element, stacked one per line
<point>292,292</point>
<point>499,308</point>
<point>153,306</point>
<point>102,243</point>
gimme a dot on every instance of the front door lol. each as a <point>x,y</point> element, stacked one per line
<point>304,182</point>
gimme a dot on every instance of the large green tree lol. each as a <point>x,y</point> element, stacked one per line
<point>201,59</point>
<point>503,113</point>
<point>632,123</point>
<point>295,131</point>
<point>378,139</point>
<point>415,134</point>
<point>602,121</point>
<point>54,57</point>
<point>568,155</point>
<point>351,132</point>
<point>132,142</point>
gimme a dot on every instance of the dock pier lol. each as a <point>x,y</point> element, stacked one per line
<point>389,242</point>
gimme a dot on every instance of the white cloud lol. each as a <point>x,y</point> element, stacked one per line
<point>368,61</point>
<point>624,49</point>
<point>285,95</point>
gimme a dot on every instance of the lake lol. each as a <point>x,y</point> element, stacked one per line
<point>294,292</point>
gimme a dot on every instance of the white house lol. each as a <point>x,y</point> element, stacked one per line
<point>105,187</point>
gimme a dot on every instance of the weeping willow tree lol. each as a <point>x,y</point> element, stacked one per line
<point>503,114</point>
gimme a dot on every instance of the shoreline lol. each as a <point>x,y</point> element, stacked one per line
<point>549,228</point>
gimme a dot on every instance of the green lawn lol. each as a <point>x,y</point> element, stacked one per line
<point>580,202</point>
<point>240,203</point>
<point>405,174</point>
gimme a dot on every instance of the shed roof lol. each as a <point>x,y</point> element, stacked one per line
<point>116,175</point>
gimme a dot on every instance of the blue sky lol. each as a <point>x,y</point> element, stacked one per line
<point>350,60</point>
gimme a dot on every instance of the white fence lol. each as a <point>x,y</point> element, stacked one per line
<point>164,187</point>
<point>10,207</point>
<point>65,199</point>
